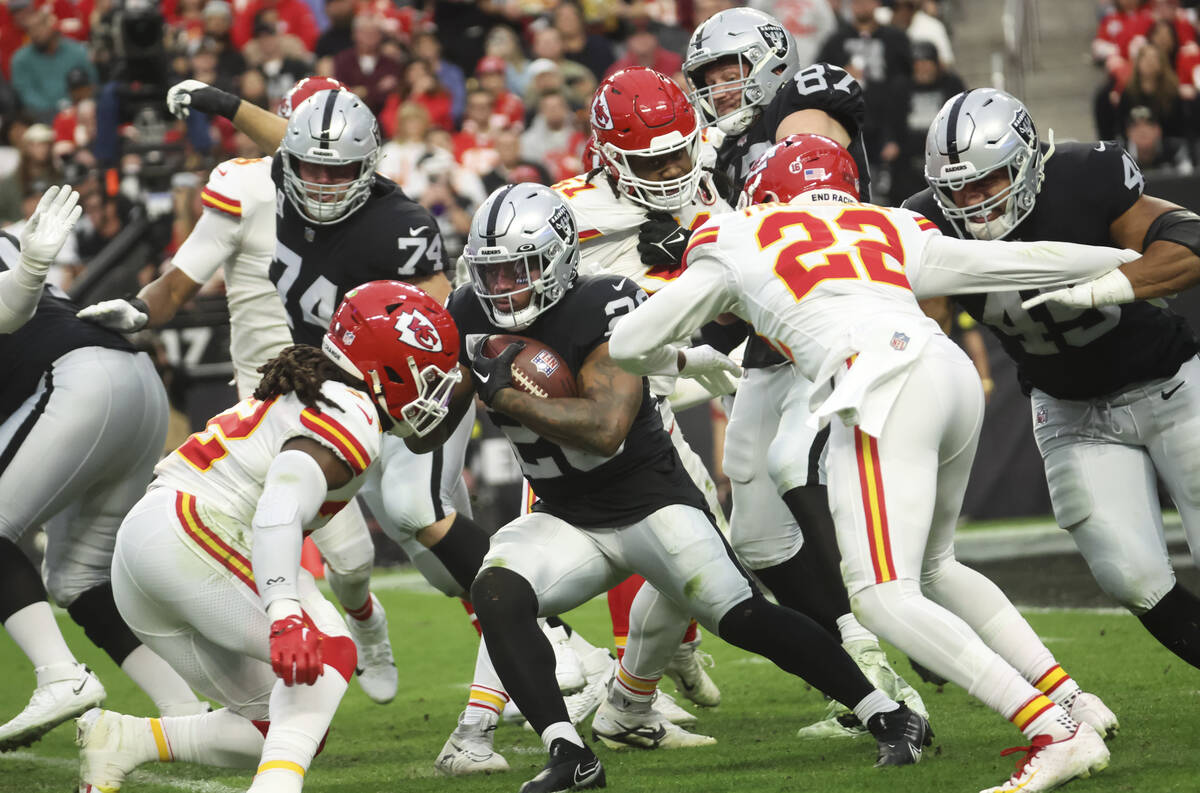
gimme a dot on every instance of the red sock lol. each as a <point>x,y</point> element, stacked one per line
<point>620,600</point>
<point>690,634</point>
<point>471,613</point>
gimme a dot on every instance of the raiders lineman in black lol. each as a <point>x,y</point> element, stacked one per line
<point>83,418</point>
<point>614,496</point>
<point>742,69</point>
<point>1115,389</point>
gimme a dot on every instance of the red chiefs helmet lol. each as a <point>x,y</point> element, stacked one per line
<point>403,344</point>
<point>801,164</point>
<point>639,115</point>
<point>306,88</point>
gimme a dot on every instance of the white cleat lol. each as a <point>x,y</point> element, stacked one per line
<point>1088,709</point>
<point>469,750</point>
<point>568,668</point>
<point>687,671</point>
<point>670,710</point>
<point>376,664</point>
<point>50,706</point>
<point>599,667</point>
<point>109,748</point>
<point>617,728</point>
<point>1048,764</point>
<point>839,722</point>
<point>873,662</point>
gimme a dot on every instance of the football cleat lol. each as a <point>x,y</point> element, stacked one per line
<point>376,665</point>
<point>901,736</point>
<point>568,668</point>
<point>50,706</point>
<point>110,746</point>
<point>687,671</point>
<point>599,667</point>
<point>670,710</point>
<point>873,662</point>
<point>570,767</point>
<point>839,722</point>
<point>620,727</point>
<point>1048,763</point>
<point>469,750</point>
<point>1088,709</point>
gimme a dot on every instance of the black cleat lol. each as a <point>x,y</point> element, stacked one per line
<point>570,767</point>
<point>901,735</point>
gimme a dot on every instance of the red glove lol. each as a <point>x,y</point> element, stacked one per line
<point>296,651</point>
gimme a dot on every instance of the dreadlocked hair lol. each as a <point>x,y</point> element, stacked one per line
<point>299,369</point>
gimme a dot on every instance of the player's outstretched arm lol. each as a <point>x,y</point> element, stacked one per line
<point>595,422</point>
<point>1168,237</point>
<point>460,399</point>
<point>41,239</point>
<point>265,128</point>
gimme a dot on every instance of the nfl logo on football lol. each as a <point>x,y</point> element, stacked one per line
<point>545,364</point>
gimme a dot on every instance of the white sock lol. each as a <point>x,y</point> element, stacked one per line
<point>852,631</point>
<point>36,632</point>
<point>300,717</point>
<point>221,738</point>
<point>875,702</point>
<point>170,692</point>
<point>1014,640</point>
<point>487,692</point>
<point>561,729</point>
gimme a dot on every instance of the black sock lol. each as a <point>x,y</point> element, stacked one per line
<point>507,609</point>
<point>796,644</point>
<point>462,549</point>
<point>811,581</point>
<point>558,622</point>
<point>96,612</point>
<point>1175,622</point>
<point>22,584</point>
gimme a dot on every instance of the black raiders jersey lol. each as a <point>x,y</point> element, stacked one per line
<point>1066,352</point>
<point>582,488</point>
<point>821,86</point>
<point>390,237</point>
<point>52,332</point>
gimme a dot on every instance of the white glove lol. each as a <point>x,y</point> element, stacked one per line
<point>1109,289</point>
<point>185,96</point>
<point>124,316</point>
<point>712,369</point>
<point>47,229</point>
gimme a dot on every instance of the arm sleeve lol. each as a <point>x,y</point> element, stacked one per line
<point>950,266</point>
<point>213,241</point>
<point>647,341</point>
<point>20,290</point>
<point>292,494</point>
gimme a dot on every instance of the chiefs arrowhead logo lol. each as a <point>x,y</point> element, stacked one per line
<point>601,117</point>
<point>417,330</point>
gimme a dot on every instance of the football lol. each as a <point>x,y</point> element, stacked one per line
<point>537,370</point>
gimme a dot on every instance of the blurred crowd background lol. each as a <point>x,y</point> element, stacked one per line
<point>470,94</point>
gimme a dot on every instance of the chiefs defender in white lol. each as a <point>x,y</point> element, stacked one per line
<point>830,283</point>
<point>207,567</point>
<point>236,232</point>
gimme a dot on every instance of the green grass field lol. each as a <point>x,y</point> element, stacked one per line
<point>391,749</point>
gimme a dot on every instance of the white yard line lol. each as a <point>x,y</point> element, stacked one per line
<point>190,785</point>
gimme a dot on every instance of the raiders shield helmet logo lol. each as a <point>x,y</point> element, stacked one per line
<point>563,224</point>
<point>1022,124</point>
<point>776,38</point>
<point>416,330</point>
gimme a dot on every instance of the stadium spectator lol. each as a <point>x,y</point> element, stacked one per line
<point>502,42</point>
<point>809,21</point>
<point>507,108</point>
<point>553,138</point>
<point>218,20</point>
<point>1180,20</point>
<point>279,56</point>
<point>338,36</point>
<point>103,218</point>
<point>451,195</point>
<point>294,17</point>
<point>918,26</point>
<point>1153,84</point>
<point>70,125</point>
<point>187,18</point>
<point>579,82</point>
<point>1117,30</point>
<point>371,74</point>
<point>932,85</point>
<point>423,87</point>
<point>642,48</point>
<point>474,143</point>
<point>13,19</point>
<point>511,168</point>
<point>406,129</point>
<point>1153,152</point>
<point>594,52</point>
<point>427,47</point>
<point>39,69</point>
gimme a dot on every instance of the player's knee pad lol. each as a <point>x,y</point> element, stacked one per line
<point>96,612</point>
<point>73,576</point>
<point>500,595</point>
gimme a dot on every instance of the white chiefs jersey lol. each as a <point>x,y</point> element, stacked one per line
<point>834,288</point>
<point>237,232</point>
<point>222,469</point>
<point>608,228</point>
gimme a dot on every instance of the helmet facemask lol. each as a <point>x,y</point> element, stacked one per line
<point>670,195</point>
<point>434,388</point>
<point>502,280</point>
<point>752,96</point>
<point>324,203</point>
<point>1014,202</point>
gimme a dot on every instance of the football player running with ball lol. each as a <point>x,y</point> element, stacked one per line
<point>207,567</point>
<point>614,497</point>
<point>1113,387</point>
<point>833,284</point>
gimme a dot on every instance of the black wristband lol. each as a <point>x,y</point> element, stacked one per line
<point>139,304</point>
<point>214,100</point>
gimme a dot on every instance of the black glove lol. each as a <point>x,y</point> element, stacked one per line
<point>494,374</point>
<point>661,241</point>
